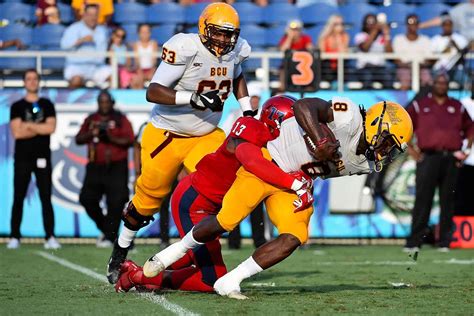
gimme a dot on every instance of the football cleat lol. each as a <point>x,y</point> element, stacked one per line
<point>225,287</point>
<point>127,270</point>
<point>118,257</point>
<point>153,267</point>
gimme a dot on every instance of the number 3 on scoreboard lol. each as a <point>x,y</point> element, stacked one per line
<point>305,61</point>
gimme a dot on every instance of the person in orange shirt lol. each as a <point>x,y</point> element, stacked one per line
<point>106,9</point>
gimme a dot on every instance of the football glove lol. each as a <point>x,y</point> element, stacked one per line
<point>303,186</point>
<point>209,100</point>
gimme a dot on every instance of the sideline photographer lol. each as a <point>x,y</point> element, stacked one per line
<point>108,134</point>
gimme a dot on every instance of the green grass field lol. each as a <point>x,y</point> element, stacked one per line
<point>317,280</point>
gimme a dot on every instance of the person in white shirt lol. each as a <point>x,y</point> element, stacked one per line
<point>450,43</point>
<point>86,36</point>
<point>409,45</point>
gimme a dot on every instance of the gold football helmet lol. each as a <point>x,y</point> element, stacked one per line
<point>388,129</point>
<point>219,28</point>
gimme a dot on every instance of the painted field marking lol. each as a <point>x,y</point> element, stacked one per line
<point>154,298</point>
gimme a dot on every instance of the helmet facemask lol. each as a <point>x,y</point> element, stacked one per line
<point>216,46</point>
<point>384,146</point>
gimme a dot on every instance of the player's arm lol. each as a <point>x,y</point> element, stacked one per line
<point>159,90</point>
<point>252,159</point>
<point>242,95</point>
<point>309,113</point>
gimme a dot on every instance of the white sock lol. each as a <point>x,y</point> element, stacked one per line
<point>176,251</point>
<point>126,237</point>
<point>245,270</point>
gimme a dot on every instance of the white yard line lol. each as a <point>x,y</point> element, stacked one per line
<point>390,263</point>
<point>157,299</point>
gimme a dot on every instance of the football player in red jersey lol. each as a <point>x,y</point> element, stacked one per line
<point>201,193</point>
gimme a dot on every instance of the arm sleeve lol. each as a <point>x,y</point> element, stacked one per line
<point>167,74</point>
<point>50,110</point>
<point>251,158</point>
<point>15,111</point>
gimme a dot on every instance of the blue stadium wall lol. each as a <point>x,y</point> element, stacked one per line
<point>69,164</point>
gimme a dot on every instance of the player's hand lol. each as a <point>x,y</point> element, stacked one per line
<point>305,200</point>
<point>209,100</point>
<point>302,181</point>
<point>325,149</point>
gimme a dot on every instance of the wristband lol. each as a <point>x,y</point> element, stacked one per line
<point>245,104</point>
<point>183,97</point>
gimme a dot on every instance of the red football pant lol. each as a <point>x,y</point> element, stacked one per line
<point>189,208</point>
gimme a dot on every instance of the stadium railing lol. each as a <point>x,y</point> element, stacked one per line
<point>265,58</point>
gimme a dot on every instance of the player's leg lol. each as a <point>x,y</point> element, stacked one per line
<point>246,192</point>
<point>161,161</point>
<point>293,230</point>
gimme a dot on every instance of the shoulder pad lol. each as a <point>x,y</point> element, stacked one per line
<point>251,130</point>
<point>242,50</point>
<point>179,49</point>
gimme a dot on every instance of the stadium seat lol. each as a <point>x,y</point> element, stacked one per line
<point>249,13</point>
<point>48,35</point>
<point>194,11</point>
<point>17,11</point>
<point>431,10</point>
<point>280,13</point>
<point>129,13</point>
<point>53,63</point>
<point>192,29</point>
<point>65,13</point>
<point>317,13</point>
<point>397,12</point>
<point>16,63</point>
<point>162,13</point>
<point>17,31</point>
<point>274,34</point>
<point>314,32</point>
<point>255,35</point>
<point>131,31</point>
<point>354,13</point>
<point>162,33</point>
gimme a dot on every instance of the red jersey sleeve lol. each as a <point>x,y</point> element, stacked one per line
<point>251,130</point>
<point>251,158</point>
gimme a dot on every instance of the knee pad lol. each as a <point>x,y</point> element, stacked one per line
<point>134,220</point>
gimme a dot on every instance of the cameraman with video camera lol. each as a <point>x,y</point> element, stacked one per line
<point>108,134</point>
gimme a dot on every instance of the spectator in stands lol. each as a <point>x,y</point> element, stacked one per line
<point>146,51</point>
<point>47,12</point>
<point>462,16</point>
<point>440,124</point>
<point>10,43</point>
<point>409,45</point>
<point>333,39</point>
<point>374,38</point>
<point>32,121</point>
<point>294,39</point>
<point>125,66</point>
<point>261,3</point>
<point>86,36</point>
<point>449,43</point>
<point>108,134</point>
<point>106,9</point>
